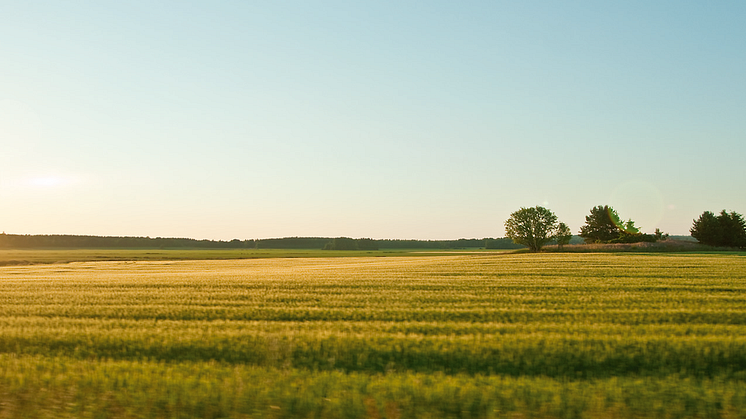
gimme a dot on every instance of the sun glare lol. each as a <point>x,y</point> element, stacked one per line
<point>48,181</point>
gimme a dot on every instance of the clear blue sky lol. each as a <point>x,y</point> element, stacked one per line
<point>385,119</point>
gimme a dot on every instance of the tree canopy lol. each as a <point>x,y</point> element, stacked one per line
<point>347,243</point>
<point>600,226</point>
<point>532,227</point>
<point>726,229</point>
<point>563,235</point>
<point>605,226</point>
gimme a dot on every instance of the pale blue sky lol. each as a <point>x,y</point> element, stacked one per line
<point>387,119</point>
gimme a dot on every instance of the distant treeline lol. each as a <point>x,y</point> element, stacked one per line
<point>17,241</point>
<point>488,243</point>
<point>94,242</point>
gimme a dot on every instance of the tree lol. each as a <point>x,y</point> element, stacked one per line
<point>531,227</point>
<point>726,229</point>
<point>563,235</point>
<point>627,226</point>
<point>601,226</point>
<point>707,229</point>
<point>605,226</point>
<point>659,235</point>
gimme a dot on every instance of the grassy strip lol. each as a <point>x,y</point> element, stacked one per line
<point>36,387</point>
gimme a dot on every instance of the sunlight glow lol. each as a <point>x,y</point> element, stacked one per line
<point>640,201</point>
<point>48,181</point>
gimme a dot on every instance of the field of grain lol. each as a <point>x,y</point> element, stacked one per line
<point>460,336</point>
<point>19,257</point>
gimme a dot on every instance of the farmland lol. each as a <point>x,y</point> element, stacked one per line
<point>461,335</point>
<point>9,257</point>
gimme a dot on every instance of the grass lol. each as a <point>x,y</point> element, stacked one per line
<point>576,335</point>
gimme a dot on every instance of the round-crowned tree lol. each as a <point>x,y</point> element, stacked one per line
<point>532,227</point>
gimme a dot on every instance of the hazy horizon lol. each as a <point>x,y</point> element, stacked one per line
<point>384,120</point>
<point>575,234</point>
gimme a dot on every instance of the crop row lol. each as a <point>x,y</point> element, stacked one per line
<point>200,313</point>
<point>362,296</point>
<point>38,387</point>
<point>450,328</point>
<point>542,353</point>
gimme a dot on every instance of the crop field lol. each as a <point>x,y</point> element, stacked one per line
<point>511,335</point>
<point>11,257</point>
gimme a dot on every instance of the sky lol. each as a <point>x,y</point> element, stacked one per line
<point>381,119</point>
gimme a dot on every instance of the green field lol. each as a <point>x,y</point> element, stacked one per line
<point>511,335</point>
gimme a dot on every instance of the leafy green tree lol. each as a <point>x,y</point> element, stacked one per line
<point>531,227</point>
<point>726,229</point>
<point>563,235</point>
